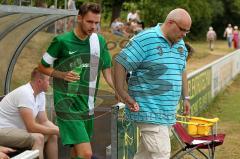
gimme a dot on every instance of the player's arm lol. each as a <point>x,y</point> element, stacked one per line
<point>107,74</point>
<point>68,76</point>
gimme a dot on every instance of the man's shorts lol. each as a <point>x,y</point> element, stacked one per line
<point>16,138</point>
<point>154,142</point>
<point>74,132</point>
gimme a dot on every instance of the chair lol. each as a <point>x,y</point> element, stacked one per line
<point>190,143</point>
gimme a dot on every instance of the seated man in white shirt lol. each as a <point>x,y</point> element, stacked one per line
<point>23,121</point>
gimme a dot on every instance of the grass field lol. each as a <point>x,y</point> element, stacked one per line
<point>226,107</point>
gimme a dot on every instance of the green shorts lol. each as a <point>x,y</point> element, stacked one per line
<point>74,132</point>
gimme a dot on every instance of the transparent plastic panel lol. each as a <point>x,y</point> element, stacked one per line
<point>10,43</point>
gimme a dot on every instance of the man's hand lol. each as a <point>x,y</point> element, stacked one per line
<point>186,104</point>
<point>132,104</point>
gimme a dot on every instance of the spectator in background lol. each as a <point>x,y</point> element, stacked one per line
<point>23,120</point>
<point>136,16</point>
<point>117,27</point>
<point>130,16</point>
<point>136,26</point>
<point>211,37</point>
<point>190,50</point>
<point>71,5</point>
<point>228,33</point>
<point>235,37</point>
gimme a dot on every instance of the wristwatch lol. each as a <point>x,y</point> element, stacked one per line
<point>187,98</point>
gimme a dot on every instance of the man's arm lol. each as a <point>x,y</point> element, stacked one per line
<point>34,127</point>
<point>107,74</point>
<point>119,82</point>
<point>186,99</point>
<point>67,76</point>
<point>43,120</point>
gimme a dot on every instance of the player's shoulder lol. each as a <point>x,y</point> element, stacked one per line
<point>64,36</point>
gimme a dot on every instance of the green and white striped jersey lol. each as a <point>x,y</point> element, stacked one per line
<point>65,53</point>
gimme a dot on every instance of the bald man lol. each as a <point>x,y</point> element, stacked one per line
<point>157,59</point>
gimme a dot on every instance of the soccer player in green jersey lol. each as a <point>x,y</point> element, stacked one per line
<point>75,61</point>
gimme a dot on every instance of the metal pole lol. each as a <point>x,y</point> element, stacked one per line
<point>55,23</point>
<point>65,20</point>
<point>114,132</point>
<point>55,4</point>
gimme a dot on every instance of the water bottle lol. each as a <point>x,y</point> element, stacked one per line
<point>73,87</point>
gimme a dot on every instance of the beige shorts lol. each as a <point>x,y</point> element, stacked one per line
<point>154,142</point>
<point>16,138</point>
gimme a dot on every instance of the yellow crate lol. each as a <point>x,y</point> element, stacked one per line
<point>198,126</point>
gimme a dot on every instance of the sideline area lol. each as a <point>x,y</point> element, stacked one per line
<point>226,107</point>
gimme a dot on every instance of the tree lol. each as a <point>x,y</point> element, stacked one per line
<point>201,13</point>
<point>116,9</point>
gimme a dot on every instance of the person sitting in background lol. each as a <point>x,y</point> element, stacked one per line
<point>136,16</point>
<point>211,37</point>
<point>4,151</point>
<point>117,27</point>
<point>23,121</point>
<point>136,26</point>
<point>190,50</point>
<point>130,16</point>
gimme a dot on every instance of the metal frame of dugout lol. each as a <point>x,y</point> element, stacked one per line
<point>21,24</point>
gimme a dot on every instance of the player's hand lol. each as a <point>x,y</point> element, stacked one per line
<point>70,76</point>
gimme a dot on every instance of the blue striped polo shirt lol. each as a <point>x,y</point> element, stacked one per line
<point>156,80</point>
